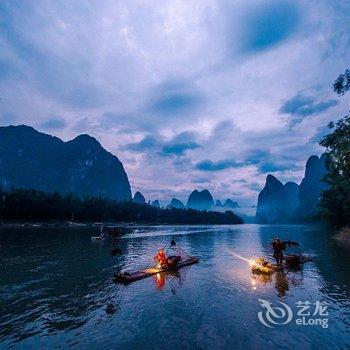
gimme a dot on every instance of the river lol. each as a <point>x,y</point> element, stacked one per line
<point>56,291</point>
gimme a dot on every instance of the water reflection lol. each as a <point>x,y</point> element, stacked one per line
<point>278,279</point>
<point>56,289</point>
<point>51,282</point>
<point>282,281</point>
<point>173,279</point>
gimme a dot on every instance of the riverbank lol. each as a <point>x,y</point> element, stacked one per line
<point>20,225</point>
<point>28,206</point>
<point>41,225</point>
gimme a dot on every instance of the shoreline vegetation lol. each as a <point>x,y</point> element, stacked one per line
<point>335,200</point>
<point>32,208</point>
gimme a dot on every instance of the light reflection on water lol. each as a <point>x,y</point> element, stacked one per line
<point>57,291</point>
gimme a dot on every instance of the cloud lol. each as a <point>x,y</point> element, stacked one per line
<point>201,179</point>
<point>185,89</point>
<point>180,143</point>
<point>7,70</point>
<point>177,145</point>
<point>320,133</point>
<point>54,124</point>
<point>271,167</point>
<point>266,161</point>
<point>179,148</point>
<point>174,103</point>
<point>269,24</point>
<point>208,165</point>
<point>7,118</point>
<point>254,186</point>
<point>173,97</point>
<point>148,142</point>
<point>255,156</point>
<point>262,160</point>
<point>301,106</point>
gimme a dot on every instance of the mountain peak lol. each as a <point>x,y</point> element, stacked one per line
<point>314,166</point>
<point>231,204</point>
<point>19,127</point>
<point>21,134</point>
<point>155,203</point>
<point>271,178</point>
<point>312,185</point>
<point>218,203</point>
<point>31,159</point>
<point>175,203</point>
<point>272,183</point>
<point>85,139</point>
<point>200,200</point>
<point>139,198</point>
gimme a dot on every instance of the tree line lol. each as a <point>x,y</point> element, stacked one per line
<point>32,205</point>
<point>335,200</point>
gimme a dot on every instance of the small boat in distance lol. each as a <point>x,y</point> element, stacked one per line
<point>75,224</point>
<point>107,231</point>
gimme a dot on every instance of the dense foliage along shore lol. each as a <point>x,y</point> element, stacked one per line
<point>33,205</point>
<point>335,200</point>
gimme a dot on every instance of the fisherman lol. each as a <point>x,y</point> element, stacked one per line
<point>161,258</point>
<point>278,246</point>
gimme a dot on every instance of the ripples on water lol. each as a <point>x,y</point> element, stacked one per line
<point>56,290</point>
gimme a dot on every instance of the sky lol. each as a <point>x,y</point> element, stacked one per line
<point>188,94</point>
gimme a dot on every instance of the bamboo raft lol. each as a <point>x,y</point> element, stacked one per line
<point>272,268</point>
<point>128,277</point>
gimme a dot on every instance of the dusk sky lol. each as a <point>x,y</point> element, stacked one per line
<point>188,94</point>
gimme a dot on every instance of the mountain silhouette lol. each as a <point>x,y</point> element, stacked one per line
<point>200,200</point>
<point>139,198</point>
<point>175,203</point>
<point>278,203</point>
<point>33,160</point>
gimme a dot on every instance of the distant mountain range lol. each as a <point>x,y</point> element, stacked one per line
<point>30,159</point>
<point>278,203</point>
<point>199,200</point>
<point>175,203</point>
<point>231,204</point>
<point>33,160</point>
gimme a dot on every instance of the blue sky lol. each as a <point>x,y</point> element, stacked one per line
<point>188,94</point>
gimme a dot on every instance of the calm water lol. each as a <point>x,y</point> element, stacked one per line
<point>56,290</point>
